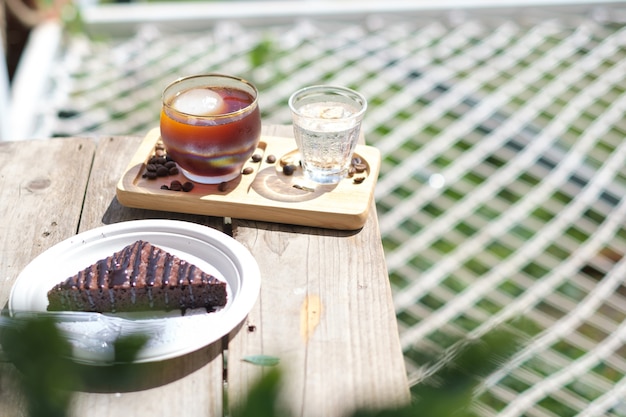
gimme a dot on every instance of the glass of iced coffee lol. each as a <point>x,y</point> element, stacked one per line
<point>210,125</point>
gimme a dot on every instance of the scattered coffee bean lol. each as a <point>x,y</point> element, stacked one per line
<point>160,164</point>
<point>303,188</point>
<point>158,160</point>
<point>360,167</point>
<point>289,169</point>
<point>351,171</point>
<point>162,171</point>
<point>270,159</point>
<point>188,186</point>
<point>256,157</point>
<point>356,160</point>
<point>223,186</point>
<point>176,186</point>
<point>358,180</point>
<point>247,170</point>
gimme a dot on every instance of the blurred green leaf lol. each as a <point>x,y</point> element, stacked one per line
<point>48,375</point>
<point>262,400</point>
<point>262,53</point>
<point>41,354</point>
<point>262,360</point>
<point>127,347</point>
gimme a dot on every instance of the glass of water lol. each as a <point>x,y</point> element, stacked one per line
<point>327,124</point>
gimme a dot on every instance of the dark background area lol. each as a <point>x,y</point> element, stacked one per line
<point>16,38</point>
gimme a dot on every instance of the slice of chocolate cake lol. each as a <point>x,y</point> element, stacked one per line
<point>140,277</point>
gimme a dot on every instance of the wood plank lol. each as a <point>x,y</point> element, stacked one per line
<point>325,311</point>
<point>42,184</point>
<point>191,384</point>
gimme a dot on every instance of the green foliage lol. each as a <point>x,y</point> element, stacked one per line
<point>262,360</point>
<point>48,376</point>
<point>38,350</point>
<point>263,52</point>
<point>262,400</point>
<point>448,393</point>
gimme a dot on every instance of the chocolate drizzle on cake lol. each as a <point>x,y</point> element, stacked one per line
<point>139,277</point>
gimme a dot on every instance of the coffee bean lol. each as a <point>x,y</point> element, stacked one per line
<point>162,171</point>
<point>289,169</point>
<point>270,159</point>
<point>360,167</point>
<point>223,186</point>
<point>358,180</point>
<point>165,187</point>
<point>160,164</point>
<point>188,186</point>
<point>356,160</point>
<point>247,170</point>
<point>256,157</point>
<point>176,186</point>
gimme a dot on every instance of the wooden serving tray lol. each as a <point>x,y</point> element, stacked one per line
<point>266,194</point>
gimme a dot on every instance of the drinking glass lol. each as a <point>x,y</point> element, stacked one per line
<point>210,125</point>
<point>327,123</point>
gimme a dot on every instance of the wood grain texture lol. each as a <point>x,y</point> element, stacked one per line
<point>325,310</point>
<point>40,184</point>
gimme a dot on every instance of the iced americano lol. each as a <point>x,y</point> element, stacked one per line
<point>210,125</point>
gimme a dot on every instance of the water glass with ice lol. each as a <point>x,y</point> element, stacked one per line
<point>327,124</point>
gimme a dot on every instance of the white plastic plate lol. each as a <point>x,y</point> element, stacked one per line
<point>211,250</point>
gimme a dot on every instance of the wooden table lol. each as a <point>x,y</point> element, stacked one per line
<point>325,307</point>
